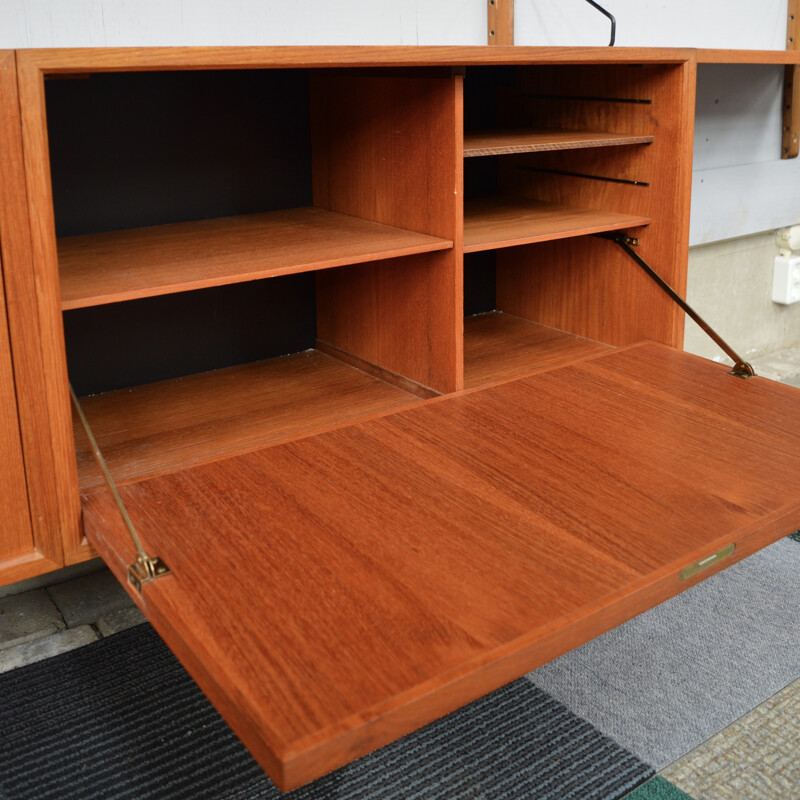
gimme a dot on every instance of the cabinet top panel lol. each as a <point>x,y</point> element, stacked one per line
<point>76,60</point>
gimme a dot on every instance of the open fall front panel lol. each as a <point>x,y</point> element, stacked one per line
<point>333,593</point>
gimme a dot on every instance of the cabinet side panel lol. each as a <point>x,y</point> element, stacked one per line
<point>389,148</point>
<point>54,386</point>
<point>17,537</point>
<point>590,287</point>
<point>40,548</point>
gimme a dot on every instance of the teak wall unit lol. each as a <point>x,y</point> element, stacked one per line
<point>399,425</point>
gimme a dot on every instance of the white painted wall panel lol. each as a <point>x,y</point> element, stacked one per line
<point>746,24</point>
<point>744,199</point>
<point>739,114</point>
<point>108,23</point>
<point>103,23</point>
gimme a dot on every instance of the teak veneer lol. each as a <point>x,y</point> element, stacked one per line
<point>372,509</point>
<point>146,262</point>
<point>495,143</point>
<point>446,549</point>
<point>494,222</point>
<point>171,425</point>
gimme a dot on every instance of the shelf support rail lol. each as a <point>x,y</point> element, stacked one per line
<point>145,568</point>
<point>741,368</point>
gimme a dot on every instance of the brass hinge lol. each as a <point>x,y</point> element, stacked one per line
<point>145,568</point>
<point>741,368</point>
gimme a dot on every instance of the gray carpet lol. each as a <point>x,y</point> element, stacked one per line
<point>665,681</point>
<point>121,719</point>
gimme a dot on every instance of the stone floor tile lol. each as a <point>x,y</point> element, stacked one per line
<point>49,646</point>
<point>49,578</point>
<point>85,600</point>
<point>29,616</point>
<point>757,758</point>
<point>120,620</point>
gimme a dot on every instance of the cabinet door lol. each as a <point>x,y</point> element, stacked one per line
<point>30,538</point>
<point>333,593</point>
<point>17,549</point>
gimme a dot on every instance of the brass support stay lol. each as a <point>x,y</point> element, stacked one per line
<point>146,567</point>
<point>741,369</point>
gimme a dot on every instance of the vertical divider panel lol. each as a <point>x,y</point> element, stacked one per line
<point>587,286</point>
<point>386,147</point>
<point>54,384</point>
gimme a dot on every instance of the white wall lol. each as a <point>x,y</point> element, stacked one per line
<point>754,24</point>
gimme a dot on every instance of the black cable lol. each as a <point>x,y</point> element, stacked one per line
<point>610,16</point>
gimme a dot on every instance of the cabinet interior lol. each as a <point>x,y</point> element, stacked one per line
<point>249,256</point>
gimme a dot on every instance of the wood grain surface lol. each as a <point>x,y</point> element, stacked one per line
<point>500,347</point>
<point>53,61</point>
<point>500,22</point>
<point>504,142</point>
<point>174,424</point>
<point>144,262</point>
<point>587,287</point>
<point>494,222</point>
<point>334,593</point>
<point>387,148</point>
<point>17,540</point>
<point>721,56</point>
<point>43,318</point>
<point>33,482</point>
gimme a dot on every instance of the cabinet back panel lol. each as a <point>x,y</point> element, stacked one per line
<point>130,150</point>
<point>480,277</point>
<point>142,341</point>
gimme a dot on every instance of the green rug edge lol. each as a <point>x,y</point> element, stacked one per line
<point>657,789</point>
<point>795,536</point>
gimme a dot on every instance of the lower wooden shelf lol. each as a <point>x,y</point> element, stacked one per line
<point>499,347</point>
<point>161,427</point>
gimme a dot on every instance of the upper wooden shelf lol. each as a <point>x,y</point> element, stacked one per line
<point>495,143</point>
<point>491,222</point>
<point>144,262</point>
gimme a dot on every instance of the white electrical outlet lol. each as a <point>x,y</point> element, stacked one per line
<point>786,280</point>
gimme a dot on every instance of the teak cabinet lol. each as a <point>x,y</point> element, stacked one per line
<point>398,424</point>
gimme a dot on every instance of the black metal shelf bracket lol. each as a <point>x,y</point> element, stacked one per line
<point>741,368</point>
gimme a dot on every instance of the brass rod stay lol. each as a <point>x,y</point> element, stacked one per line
<point>741,368</point>
<point>145,567</point>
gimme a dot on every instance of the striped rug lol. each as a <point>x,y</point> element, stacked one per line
<point>121,719</point>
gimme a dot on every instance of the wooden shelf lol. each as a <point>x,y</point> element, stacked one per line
<point>492,222</point>
<point>165,426</point>
<point>145,262</point>
<point>495,143</point>
<point>714,56</point>
<point>499,347</point>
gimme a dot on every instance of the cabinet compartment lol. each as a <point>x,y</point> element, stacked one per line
<point>570,152</point>
<point>175,190</point>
